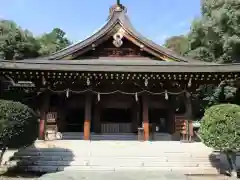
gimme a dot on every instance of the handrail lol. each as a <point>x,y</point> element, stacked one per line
<point>198,135</point>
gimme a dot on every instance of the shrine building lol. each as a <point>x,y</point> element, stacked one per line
<point>115,82</point>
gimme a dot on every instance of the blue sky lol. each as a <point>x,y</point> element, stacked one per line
<point>156,19</point>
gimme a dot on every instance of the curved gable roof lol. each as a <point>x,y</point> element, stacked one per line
<point>119,17</point>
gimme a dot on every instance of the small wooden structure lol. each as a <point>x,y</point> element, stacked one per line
<point>115,81</point>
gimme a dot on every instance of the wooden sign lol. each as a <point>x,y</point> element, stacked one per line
<point>51,117</point>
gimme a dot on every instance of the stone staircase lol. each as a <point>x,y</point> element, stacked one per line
<point>114,136</point>
<point>51,156</point>
<point>98,137</point>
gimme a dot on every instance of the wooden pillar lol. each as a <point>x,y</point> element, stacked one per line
<point>43,115</point>
<point>87,120</point>
<point>145,112</point>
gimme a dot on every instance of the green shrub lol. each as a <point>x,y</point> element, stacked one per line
<point>220,129</point>
<point>18,124</point>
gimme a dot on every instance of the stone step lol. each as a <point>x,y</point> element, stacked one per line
<point>111,154</point>
<point>98,138</point>
<point>94,137</point>
<point>116,148</point>
<point>182,170</point>
<point>162,146</point>
<point>77,158</point>
<point>95,146</point>
<point>113,136</point>
<point>119,162</point>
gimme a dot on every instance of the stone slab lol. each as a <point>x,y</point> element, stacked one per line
<point>77,175</point>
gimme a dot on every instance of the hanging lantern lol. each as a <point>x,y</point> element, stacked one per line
<point>166,95</point>
<point>98,97</point>
<point>190,82</point>
<point>136,97</point>
<point>67,93</point>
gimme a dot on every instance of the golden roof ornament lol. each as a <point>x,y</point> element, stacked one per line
<point>118,7</point>
<point>117,38</point>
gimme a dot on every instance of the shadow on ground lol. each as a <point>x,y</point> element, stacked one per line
<point>34,161</point>
<point>219,161</point>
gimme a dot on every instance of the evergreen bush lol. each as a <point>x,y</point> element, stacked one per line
<point>220,129</point>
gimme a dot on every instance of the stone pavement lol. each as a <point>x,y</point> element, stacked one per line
<point>137,175</point>
<point>65,175</point>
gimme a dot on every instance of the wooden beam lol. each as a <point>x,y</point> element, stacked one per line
<point>87,120</point>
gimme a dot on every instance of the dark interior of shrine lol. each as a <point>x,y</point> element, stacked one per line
<point>116,115</point>
<point>74,120</point>
<point>159,119</point>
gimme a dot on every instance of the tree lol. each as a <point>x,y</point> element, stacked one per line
<point>228,91</point>
<point>178,44</point>
<point>16,43</point>
<point>53,42</point>
<point>18,125</point>
<point>215,37</point>
<point>225,92</point>
<point>220,129</point>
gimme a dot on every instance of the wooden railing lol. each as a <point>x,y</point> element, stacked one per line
<point>116,127</point>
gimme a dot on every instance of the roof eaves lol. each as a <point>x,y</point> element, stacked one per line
<point>130,28</point>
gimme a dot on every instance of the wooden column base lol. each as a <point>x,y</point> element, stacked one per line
<point>87,126</point>
<point>146,131</point>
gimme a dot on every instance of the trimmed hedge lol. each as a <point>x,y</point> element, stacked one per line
<point>220,127</point>
<point>18,124</point>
